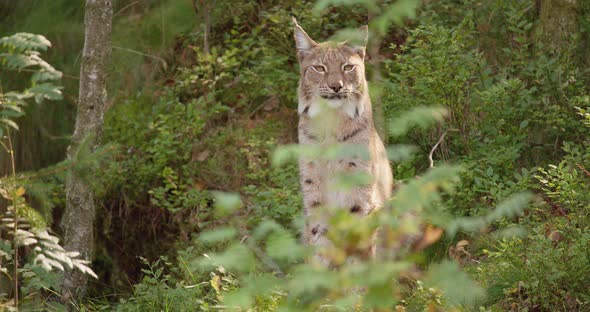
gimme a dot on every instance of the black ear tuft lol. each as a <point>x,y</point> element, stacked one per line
<point>303,42</point>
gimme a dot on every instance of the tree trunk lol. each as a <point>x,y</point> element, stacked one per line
<point>565,27</point>
<point>78,219</point>
<point>559,21</point>
<point>207,26</point>
<point>203,10</point>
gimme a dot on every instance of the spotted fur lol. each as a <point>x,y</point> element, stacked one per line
<point>335,108</point>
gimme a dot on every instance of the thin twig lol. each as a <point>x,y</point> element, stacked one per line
<point>5,147</point>
<point>586,172</point>
<point>60,167</point>
<point>143,54</point>
<point>442,137</point>
<point>125,8</point>
<point>261,255</point>
<point>554,205</point>
<point>15,224</point>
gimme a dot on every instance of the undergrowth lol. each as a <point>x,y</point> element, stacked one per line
<point>517,120</point>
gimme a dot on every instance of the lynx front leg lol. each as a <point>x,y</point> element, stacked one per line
<point>359,201</point>
<point>316,224</point>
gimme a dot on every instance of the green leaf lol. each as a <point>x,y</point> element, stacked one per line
<point>285,154</point>
<point>237,257</point>
<point>218,235</point>
<point>282,246</point>
<point>9,123</point>
<point>310,280</point>
<point>379,296</point>
<point>262,284</point>
<point>401,152</point>
<point>421,193</point>
<point>512,206</point>
<point>348,181</point>
<point>266,227</point>
<point>12,108</point>
<point>226,203</point>
<point>395,13</point>
<point>420,116</point>
<point>45,91</point>
<point>293,152</point>
<point>458,288</point>
<point>240,298</point>
<point>353,36</point>
<point>25,41</point>
<point>510,232</point>
<point>324,4</point>
<point>18,61</point>
<point>48,73</point>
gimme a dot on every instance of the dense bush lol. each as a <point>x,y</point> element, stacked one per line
<point>510,115</point>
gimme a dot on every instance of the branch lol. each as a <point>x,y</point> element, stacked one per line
<point>125,8</point>
<point>143,54</point>
<point>583,169</point>
<point>442,137</point>
<point>266,260</point>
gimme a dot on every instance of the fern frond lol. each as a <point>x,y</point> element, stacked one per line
<point>25,41</point>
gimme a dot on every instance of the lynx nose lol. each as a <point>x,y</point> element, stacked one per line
<point>336,86</point>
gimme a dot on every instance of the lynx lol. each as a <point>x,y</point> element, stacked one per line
<point>335,108</point>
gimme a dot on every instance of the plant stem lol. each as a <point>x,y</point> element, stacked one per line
<point>15,225</point>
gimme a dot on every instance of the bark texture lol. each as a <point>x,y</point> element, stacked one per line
<point>565,27</point>
<point>559,20</point>
<point>78,219</point>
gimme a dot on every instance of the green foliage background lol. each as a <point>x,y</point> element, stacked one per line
<point>184,122</point>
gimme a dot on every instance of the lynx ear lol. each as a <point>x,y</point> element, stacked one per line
<point>359,43</point>
<point>303,42</point>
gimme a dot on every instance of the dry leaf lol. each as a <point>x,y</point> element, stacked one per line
<point>555,237</point>
<point>458,251</point>
<point>202,156</point>
<point>271,103</point>
<point>462,243</point>
<point>4,193</point>
<point>216,283</point>
<point>20,191</point>
<point>431,235</point>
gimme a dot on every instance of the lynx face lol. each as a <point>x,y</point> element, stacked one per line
<point>333,72</point>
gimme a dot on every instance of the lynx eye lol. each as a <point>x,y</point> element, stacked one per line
<point>319,68</point>
<point>348,68</point>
